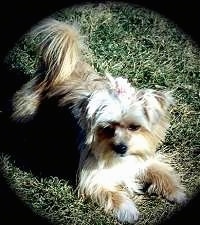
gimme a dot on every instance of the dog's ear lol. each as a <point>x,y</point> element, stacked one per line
<point>155,104</point>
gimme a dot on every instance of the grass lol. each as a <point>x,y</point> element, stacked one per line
<point>151,52</point>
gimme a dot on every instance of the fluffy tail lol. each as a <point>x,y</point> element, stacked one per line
<point>59,49</point>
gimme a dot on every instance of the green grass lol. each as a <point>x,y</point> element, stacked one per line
<point>151,52</point>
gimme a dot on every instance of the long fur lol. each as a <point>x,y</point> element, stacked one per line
<point>123,125</point>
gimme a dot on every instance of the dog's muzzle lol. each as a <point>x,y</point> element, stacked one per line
<point>120,148</point>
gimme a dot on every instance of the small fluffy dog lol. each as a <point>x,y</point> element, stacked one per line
<point>122,126</point>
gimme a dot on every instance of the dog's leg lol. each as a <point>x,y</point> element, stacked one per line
<point>121,205</point>
<point>163,181</point>
<point>114,202</point>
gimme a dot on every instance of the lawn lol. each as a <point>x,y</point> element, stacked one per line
<point>150,51</point>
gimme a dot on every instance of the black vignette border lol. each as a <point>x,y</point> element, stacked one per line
<point>19,16</point>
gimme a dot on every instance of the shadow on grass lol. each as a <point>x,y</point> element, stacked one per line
<point>13,210</point>
<point>46,145</point>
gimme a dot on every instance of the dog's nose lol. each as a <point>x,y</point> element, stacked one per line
<point>120,148</point>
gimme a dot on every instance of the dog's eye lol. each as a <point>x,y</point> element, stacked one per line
<point>133,127</point>
<point>109,131</point>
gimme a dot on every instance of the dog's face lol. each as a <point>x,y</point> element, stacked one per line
<point>128,125</point>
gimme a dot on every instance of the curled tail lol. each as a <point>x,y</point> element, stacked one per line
<point>59,49</point>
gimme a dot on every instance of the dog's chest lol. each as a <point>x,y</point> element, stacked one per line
<point>123,173</point>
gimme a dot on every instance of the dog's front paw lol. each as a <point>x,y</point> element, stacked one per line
<point>127,212</point>
<point>178,196</point>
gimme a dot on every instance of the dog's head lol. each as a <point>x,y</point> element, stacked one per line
<point>127,122</point>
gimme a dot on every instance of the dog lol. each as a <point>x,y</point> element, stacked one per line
<point>120,126</point>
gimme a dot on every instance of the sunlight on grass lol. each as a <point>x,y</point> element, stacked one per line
<point>151,52</point>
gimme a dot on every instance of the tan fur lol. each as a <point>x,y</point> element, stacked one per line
<point>110,199</point>
<point>163,179</point>
<point>26,101</point>
<point>59,48</point>
<point>105,174</point>
<point>83,81</point>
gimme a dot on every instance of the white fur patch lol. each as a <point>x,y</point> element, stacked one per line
<point>104,107</point>
<point>179,197</point>
<point>123,172</point>
<point>127,212</point>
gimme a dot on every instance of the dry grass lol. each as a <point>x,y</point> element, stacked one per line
<point>151,52</point>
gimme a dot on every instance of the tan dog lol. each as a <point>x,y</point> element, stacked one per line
<point>123,126</point>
